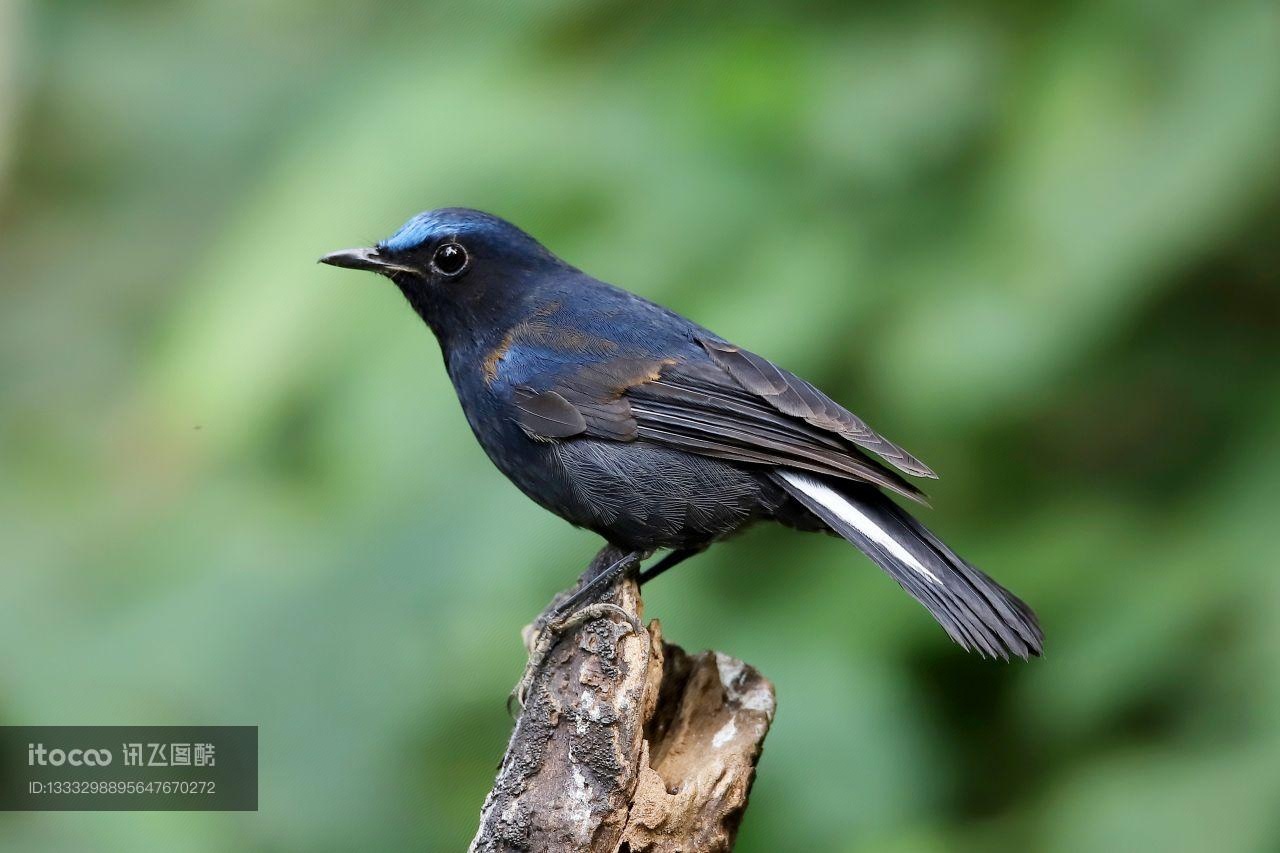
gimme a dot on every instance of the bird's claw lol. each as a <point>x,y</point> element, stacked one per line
<point>541,640</point>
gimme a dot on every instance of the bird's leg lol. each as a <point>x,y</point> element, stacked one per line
<point>669,562</point>
<point>594,586</point>
<point>576,609</point>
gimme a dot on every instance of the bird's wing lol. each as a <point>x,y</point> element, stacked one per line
<point>732,405</point>
<point>794,396</point>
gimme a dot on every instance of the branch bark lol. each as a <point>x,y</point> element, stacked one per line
<point>627,743</point>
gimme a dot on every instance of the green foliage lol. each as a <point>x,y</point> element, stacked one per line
<point>1037,246</point>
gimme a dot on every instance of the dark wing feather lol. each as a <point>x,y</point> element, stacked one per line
<point>546,414</point>
<point>702,402</point>
<point>794,396</point>
<point>698,407</point>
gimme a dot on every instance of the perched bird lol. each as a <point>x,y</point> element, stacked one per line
<point>625,418</point>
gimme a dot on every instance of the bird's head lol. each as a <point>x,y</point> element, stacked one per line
<point>465,272</point>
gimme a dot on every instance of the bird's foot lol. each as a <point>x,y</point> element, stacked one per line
<point>541,639</point>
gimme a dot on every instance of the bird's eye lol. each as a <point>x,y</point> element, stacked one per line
<point>450,259</point>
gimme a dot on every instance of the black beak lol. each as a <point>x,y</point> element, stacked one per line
<point>364,259</point>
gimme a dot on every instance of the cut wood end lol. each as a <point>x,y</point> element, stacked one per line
<point>702,745</point>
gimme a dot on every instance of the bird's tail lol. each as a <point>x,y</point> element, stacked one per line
<point>977,612</point>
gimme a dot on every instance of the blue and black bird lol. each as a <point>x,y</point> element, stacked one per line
<point>625,418</point>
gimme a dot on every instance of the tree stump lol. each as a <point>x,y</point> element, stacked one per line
<point>627,743</point>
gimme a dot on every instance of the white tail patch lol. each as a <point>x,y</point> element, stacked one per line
<point>848,512</point>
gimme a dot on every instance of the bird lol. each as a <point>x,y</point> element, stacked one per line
<point>627,419</point>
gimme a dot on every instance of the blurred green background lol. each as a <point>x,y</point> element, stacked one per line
<point>1038,244</point>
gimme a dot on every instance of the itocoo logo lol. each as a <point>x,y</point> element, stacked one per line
<point>37,754</point>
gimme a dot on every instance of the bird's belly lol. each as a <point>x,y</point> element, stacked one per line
<point>639,495</point>
<point>643,495</point>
